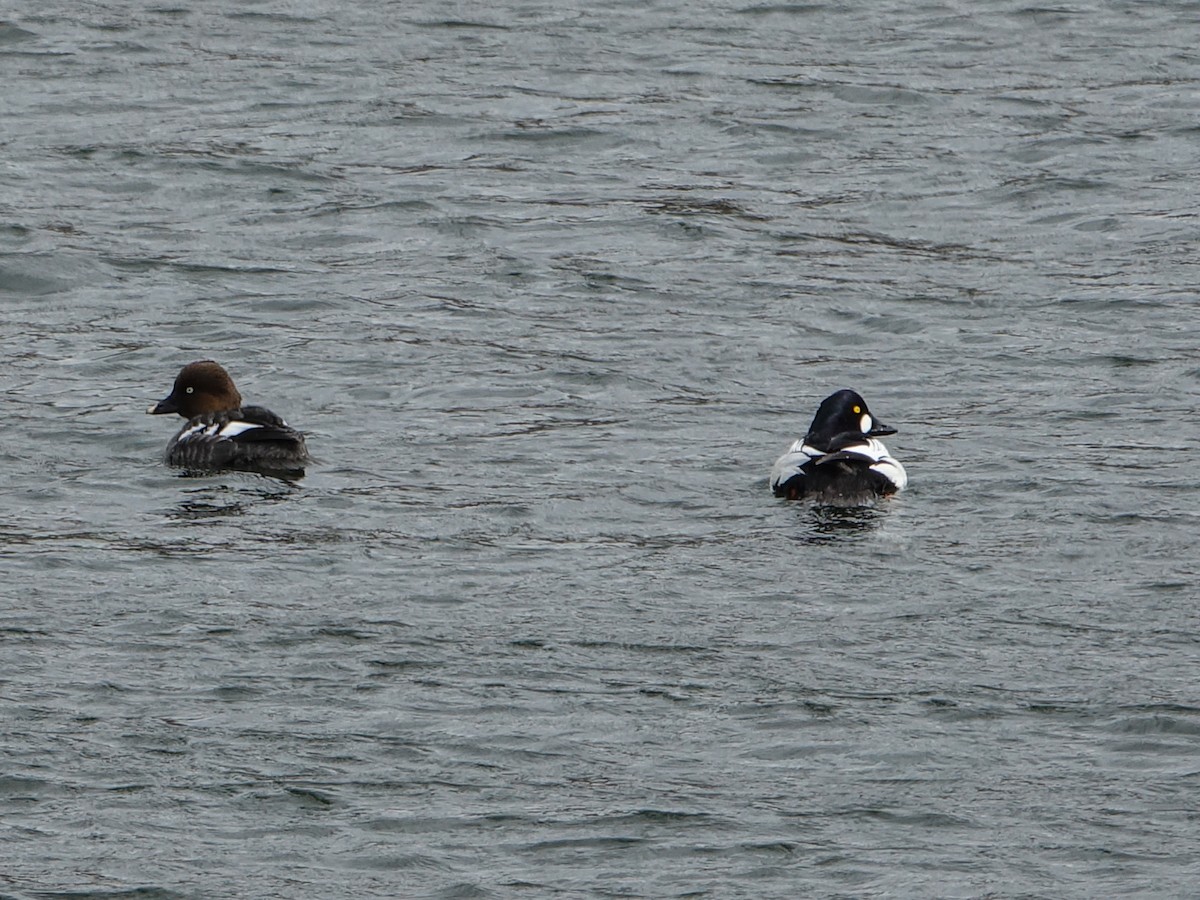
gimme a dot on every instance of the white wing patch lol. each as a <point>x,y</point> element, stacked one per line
<point>234,428</point>
<point>215,431</point>
<point>194,432</point>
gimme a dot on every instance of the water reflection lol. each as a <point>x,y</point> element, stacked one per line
<point>214,502</point>
<point>827,524</point>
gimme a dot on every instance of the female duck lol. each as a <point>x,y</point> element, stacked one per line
<point>839,460</point>
<point>221,433</point>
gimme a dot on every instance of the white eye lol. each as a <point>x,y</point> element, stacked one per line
<point>189,390</point>
<point>865,423</point>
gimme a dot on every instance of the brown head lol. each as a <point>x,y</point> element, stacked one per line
<point>201,387</point>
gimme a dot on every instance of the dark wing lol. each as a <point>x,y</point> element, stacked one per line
<point>848,455</point>
<point>263,427</point>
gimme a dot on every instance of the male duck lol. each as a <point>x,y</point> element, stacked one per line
<point>839,461</point>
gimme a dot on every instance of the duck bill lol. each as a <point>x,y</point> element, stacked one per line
<point>878,429</point>
<point>165,405</point>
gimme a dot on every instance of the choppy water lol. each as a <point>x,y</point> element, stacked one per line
<point>550,287</point>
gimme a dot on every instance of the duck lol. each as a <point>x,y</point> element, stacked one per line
<point>221,433</point>
<point>840,461</point>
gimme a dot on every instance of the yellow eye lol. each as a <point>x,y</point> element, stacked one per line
<point>857,409</point>
<point>189,390</point>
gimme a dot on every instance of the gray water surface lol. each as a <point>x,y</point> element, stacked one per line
<point>549,287</point>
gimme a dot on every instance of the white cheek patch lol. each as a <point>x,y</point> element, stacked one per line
<point>865,423</point>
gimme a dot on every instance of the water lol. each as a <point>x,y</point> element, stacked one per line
<point>549,287</point>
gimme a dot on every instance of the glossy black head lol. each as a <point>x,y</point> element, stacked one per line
<point>201,387</point>
<point>844,413</point>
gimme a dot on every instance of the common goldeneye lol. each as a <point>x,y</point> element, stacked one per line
<point>221,433</point>
<point>839,460</point>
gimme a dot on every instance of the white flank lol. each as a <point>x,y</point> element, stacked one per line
<point>791,462</point>
<point>893,472</point>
